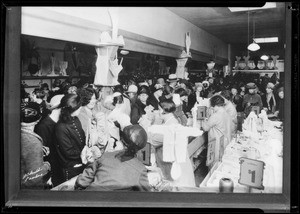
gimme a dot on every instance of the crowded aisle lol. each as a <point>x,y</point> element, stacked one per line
<point>78,126</point>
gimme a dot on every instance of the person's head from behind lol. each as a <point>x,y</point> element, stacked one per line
<point>70,106</point>
<point>226,94</point>
<point>88,97</point>
<point>217,102</point>
<point>30,114</point>
<point>167,106</point>
<point>134,138</point>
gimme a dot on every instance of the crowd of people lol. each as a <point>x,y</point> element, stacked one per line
<point>95,131</point>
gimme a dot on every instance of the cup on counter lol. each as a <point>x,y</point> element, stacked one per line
<point>226,185</point>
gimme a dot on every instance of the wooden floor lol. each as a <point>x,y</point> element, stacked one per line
<point>202,170</point>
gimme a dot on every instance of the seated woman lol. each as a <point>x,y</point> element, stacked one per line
<point>119,170</point>
<point>154,98</point>
<point>70,137</point>
<point>218,125</point>
<point>138,109</point>
<point>88,98</point>
<point>269,100</point>
<point>187,176</point>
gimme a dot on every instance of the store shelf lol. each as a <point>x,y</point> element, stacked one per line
<point>262,71</point>
<point>47,77</point>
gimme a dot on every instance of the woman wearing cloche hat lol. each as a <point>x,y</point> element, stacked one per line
<point>251,99</point>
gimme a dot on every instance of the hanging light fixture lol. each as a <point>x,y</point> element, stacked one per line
<point>253,46</point>
<point>264,57</point>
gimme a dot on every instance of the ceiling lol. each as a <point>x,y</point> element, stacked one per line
<point>232,27</point>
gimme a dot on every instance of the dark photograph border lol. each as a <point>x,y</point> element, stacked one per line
<point>14,197</point>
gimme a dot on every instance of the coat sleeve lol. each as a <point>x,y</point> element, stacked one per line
<point>212,121</point>
<point>144,182</point>
<point>260,103</point>
<point>37,168</point>
<point>87,176</point>
<point>65,144</point>
<point>134,115</point>
<point>42,131</point>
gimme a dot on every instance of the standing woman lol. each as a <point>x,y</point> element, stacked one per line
<point>218,124</point>
<point>88,98</point>
<point>138,109</point>
<point>70,137</point>
<point>268,99</point>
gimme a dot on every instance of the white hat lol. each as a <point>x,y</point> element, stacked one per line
<point>55,101</point>
<point>172,78</point>
<point>116,94</point>
<point>205,82</point>
<point>132,89</point>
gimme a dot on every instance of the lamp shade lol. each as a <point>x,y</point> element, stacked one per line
<point>253,47</point>
<point>264,57</point>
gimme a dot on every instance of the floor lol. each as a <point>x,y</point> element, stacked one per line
<point>202,170</point>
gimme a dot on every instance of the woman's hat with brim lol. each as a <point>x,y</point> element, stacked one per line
<point>30,112</point>
<point>205,82</point>
<point>198,84</point>
<point>132,89</point>
<point>55,101</point>
<point>251,85</point>
<point>172,78</point>
<point>161,81</point>
<point>143,90</point>
<point>280,90</point>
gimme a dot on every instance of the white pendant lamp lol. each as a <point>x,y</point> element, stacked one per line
<point>264,57</point>
<point>253,46</point>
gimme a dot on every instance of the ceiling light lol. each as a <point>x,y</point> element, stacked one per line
<point>268,5</point>
<point>253,46</point>
<point>266,40</point>
<point>264,57</point>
